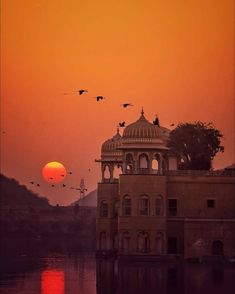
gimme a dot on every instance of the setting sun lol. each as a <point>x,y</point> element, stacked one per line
<point>54,172</point>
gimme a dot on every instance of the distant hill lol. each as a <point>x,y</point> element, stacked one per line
<point>14,195</point>
<point>89,200</point>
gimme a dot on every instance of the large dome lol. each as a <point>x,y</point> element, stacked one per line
<point>110,146</point>
<point>143,129</point>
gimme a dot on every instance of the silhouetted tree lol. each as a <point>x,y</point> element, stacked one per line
<point>197,143</point>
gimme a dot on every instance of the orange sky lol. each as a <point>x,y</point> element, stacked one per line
<point>175,58</point>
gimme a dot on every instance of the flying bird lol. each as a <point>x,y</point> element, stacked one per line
<point>82,91</point>
<point>70,173</point>
<point>38,185</point>
<point>62,175</point>
<point>89,169</point>
<point>122,124</point>
<point>53,185</point>
<point>126,104</point>
<point>32,182</point>
<point>64,185</point>
<point>51,178</point>
<point>172,125</point>
<point>98,98</point>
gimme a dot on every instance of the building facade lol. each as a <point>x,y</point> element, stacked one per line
<point>148,208</point>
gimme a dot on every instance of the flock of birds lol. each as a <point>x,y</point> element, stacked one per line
<point>124,105</point>
<point>63,185</point>
<point>121,125</point>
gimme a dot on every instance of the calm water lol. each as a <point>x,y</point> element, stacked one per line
<point>82,273</point>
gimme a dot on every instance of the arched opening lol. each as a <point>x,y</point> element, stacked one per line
<point>159,243</point>
<point>117,171</point>
<point>144,205</point>
<point>115,208</point>
<point>126,205</point>
<point>125,242</point>
<point>143,242</point>
<point>129,164</point>
<point>107,173</point>
<point>103,241</point>
<point>217,247</point>
<point>155,166</point>
<point>143,162</point>
<point>104,208</point>
<point>158,205</point>
<point>156,163</point>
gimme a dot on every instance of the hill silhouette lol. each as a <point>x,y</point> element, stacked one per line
<point>14,195</point>
<point>89,200</point>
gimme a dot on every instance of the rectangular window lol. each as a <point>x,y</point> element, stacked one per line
<point>172,207</point>
<point>172,245</point>
<point>210,203</point>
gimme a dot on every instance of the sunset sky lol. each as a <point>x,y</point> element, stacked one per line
<point>173,57</point>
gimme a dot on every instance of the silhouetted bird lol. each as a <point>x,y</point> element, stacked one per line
<point>70,173</point>
<point>89,169</point>
<point>156,121</point>
<point>64,185</point>
<point>98,98</point>
<point>122,124</point>
<point>38,185</point>
<point>32,183</point>
<point>53,185</point>
<point>62,175</point>
<point>80,92</point>
<point>51,178</point>
<point>126,104</point>
<point>172,125</point>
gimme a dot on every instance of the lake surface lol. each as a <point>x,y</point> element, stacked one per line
<point>82,273</point>
<point>50,268</point>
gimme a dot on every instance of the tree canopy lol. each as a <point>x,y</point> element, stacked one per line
<point>197,144</point>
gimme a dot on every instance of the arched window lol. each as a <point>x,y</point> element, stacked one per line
<point>129,163</point>
<point>103,241</point>
<point>126,205</point>
<point>115,208</point>
<point>125,242</point>
<point>144,205</point>
<point>159,243</point>
<point>155,165</point>
<point>107,172</point>
<point>158,205</point>
<point>143,242</point>
<point>115,241</point>
<point>143,161</point>
<point>104,208</point>
<point>117,171</point>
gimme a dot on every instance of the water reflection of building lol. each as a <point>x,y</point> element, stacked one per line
<point>146,207</point>
<point>162,277</point>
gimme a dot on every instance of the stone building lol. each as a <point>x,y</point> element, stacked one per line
<point>148,208</point>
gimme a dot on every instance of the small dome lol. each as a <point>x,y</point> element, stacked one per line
<point>111,145</point>
<point>143,129</point>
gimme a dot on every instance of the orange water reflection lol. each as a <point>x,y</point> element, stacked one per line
<point>52,282</point>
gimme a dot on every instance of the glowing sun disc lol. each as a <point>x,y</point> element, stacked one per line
<point>54,172</point>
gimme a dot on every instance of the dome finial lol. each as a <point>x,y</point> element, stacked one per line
<point>142,111</point>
